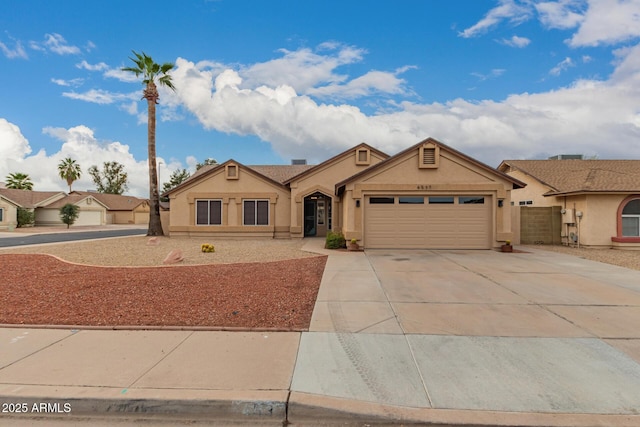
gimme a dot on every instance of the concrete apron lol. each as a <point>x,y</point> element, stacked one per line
<point>471,337</point>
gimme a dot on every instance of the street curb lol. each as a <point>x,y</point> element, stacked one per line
<point>305,409</point>
<point>235,407</point>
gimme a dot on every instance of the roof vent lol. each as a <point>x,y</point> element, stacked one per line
<point>567,157</point>
<point>298,161</point>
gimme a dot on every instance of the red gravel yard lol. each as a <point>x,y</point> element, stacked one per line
<point>43,290</point>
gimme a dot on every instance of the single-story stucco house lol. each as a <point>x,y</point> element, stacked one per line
<point>427,196</point>
<point>91,211</point>
<point>11,200</point>
<point>95,208</point>
<point>121,209</point>
<point>599,199</point>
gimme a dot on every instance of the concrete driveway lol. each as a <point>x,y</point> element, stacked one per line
<point>535,332</point>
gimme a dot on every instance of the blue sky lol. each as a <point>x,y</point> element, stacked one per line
<point>263,82</point>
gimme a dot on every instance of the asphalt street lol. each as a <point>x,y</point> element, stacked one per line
<point>36,239</point>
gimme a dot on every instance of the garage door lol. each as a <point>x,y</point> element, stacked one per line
<point>89,218</point>
<point>431,222</point>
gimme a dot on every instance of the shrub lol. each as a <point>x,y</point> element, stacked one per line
<point>26,217</point>
<point>335,240</point>
<point>206,247</point>
<point>69,213</point>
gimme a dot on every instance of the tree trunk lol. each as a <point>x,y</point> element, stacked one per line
<point>155,226</point>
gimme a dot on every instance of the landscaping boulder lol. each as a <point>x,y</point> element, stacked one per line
<point>153,241</point>
<point>174,257</point>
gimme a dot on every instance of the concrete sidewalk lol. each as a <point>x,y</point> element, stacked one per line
<point>441,337</point>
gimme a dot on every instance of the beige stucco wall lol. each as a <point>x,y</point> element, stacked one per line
<point>9,214</point>
<point>324,180</point>
<point>232,192</point>
<point>533,191</point>
<point>599,219</point>
<point>453,176</point>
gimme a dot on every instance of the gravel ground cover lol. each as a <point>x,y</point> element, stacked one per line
<point>135,251</point>
<point>244,284</point>
<point>623,258</point>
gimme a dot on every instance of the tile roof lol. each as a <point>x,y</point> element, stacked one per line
<point>26,198</point>
<point>280,173</point>
<point>580,176</point>
<point>114,202</point>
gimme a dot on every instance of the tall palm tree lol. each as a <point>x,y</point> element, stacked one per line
<point>69,170</point>
<point>19,181</point>
<point>152,72</point>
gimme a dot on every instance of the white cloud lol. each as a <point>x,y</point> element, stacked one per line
<point>608,22</point>
<point>80,144</point>
<point>507,10</point>
<point>563,14</point>
<point>496,72</point>
<point>67,83</point>
<point>373,82</point>
<point>17,52</point>
<point>123,76</point>
<point>303,69</point>
<point>57,44</point>
<point>516,41</point>
<point>99,96</point>
<point>84,65</point>
<point>598,22</point>
<point>563,65</point>
<point>577,118</point>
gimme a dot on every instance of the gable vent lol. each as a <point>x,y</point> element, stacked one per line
<point>429,156</point>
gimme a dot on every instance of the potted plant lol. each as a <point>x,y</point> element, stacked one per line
<point>353,245</point>
<point>507,246</point>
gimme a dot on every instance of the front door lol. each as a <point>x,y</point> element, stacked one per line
<point>310,207</point>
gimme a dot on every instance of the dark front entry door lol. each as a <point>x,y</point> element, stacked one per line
<point>310,217</point>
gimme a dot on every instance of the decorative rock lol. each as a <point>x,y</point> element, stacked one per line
<point>153,241</point>
<point>174,257</point>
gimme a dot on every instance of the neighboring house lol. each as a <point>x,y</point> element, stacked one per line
<point>91,212</point>
<point>95,208</point>
<point>427,196</point>
<point>11,200</point>
<point>121,209</point>
<point>600,199</point>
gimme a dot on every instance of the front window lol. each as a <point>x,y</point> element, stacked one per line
<point>631,219</point>
<point>208,212</point>
<point>256,212</point>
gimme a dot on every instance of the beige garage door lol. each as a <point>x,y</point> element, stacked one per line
<point>89,218</point>
<point>431,222</point>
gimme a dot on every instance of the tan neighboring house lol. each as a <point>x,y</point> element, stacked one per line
<point>599,199</point>
<point>121,209</point>
<point>427,196</point>
<point>91,212</point>
<point>95,208</point>
<point>11,200</point>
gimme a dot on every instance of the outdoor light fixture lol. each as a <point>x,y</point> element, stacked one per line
<point>357,203</point>
<point>500,203</point>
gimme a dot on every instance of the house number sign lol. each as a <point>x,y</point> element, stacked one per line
<point>423,187</point>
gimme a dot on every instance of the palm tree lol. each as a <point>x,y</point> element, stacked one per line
<point>151,72</point>
<point>19,181</point>
<point>69,170</point>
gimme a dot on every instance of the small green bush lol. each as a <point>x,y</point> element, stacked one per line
<point>335,240</point>
<point>26,217</point>
<point>206,247</point>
